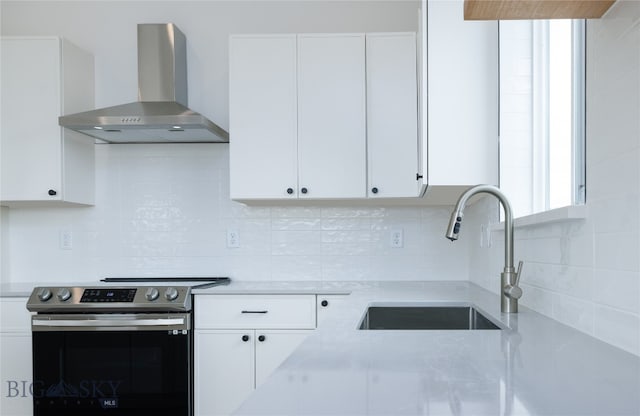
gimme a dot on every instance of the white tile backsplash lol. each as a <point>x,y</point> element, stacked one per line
<point>165,210</point>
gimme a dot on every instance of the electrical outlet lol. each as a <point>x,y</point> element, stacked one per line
<point>233,239</point>
<point>66,240</point>
<point>397,238</point>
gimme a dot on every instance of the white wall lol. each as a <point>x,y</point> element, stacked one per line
<point>516,115</point>
<point>586,274</point>
<point>163,210</point>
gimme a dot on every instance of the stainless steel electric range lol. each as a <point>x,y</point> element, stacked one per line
<point>122,347</point>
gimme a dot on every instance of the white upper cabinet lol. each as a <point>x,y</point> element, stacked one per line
<point>42,79</point>
<point>459,100</point>
<point>331,116</point>
<point>263,116</point>
<point>392,114</point>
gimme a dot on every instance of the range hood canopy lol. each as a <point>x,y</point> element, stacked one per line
<point>161,115</point>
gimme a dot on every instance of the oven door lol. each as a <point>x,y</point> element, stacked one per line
<point>112,364</point>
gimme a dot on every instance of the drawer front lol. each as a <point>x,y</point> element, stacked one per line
<point>14,316</point>
<point>255,311</point>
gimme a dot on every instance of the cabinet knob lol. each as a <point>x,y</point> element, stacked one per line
<point>418,176</point>
<point>261,338</point>
<point>289,191</point>
<point>324,303</point>
<point>52,192</point>
<point>245,338</point>
<point>374,190</point>
<point>304,190</point>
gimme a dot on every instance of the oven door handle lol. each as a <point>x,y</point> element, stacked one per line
<point>109,323</point>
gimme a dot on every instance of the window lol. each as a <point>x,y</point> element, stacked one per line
<point>542,104</point>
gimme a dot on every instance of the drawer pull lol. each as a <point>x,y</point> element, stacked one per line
<point>255,312</point>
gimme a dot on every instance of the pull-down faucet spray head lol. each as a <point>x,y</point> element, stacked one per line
<point>455,222</point>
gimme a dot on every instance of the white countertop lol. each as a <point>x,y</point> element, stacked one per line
<point>15,289</point>
<point>536,366</point>
<point>283,287</point>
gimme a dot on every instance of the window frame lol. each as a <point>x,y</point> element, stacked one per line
<point>540,121</point>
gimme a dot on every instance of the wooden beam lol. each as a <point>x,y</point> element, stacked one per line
<point>535,9</point>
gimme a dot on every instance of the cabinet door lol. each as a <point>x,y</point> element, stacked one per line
<point>331,116</point>
<point>224,370</point>
<point>15,374</point>
<point>462,100</point>
<point>30,145</point>
<point>263,117</point>
<point>325,304</point>
<point>392,115</point>
<point>273,347</point>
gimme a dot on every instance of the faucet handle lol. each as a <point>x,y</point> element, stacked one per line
<point>514,291</point>
<point>518,273</point>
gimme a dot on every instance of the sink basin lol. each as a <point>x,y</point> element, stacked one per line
<point>464,317</point>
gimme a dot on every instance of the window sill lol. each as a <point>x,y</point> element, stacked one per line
<point>569,213</point>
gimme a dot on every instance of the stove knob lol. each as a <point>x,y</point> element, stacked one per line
<point>152,294</point>
<point>64,294</point>
<point>171,293</point>
<point>44,294</point>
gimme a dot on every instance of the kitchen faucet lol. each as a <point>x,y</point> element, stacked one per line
<point>509,278</point>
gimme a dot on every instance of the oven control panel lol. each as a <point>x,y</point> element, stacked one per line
<point>110,299</point>
<point>108,295</point>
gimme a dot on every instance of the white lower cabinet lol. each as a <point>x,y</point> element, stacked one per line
<point>240,340</point>
<point>224,370</point>
<point>325,304</point>
<point>15,358</point>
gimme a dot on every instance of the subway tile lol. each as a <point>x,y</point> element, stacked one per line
<point>539,275</point>
<point>349,212</point>
<point>296,268</point>
<point>574,312</point>
<point>291,243</point>
<point>346,268</point>
<point>278,212</point>
<point>577,249</point>
<point>397,268</point>
<point>346,236</point>
<point>617,251</point>
<point>346,224</point>
<point>618,289</point>
<point>577,282</point>
<point>544,250</point>
<point>616,214</point>
<point>345,249</point>
<point>619,328</point>
<point>296,224</point>
<point>615,177</point>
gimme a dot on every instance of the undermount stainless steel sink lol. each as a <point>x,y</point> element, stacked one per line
<point>411,317</point>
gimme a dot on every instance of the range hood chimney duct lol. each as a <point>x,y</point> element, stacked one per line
<point>161,114</point>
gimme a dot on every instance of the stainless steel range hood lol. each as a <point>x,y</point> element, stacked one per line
<point>161,114</point>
